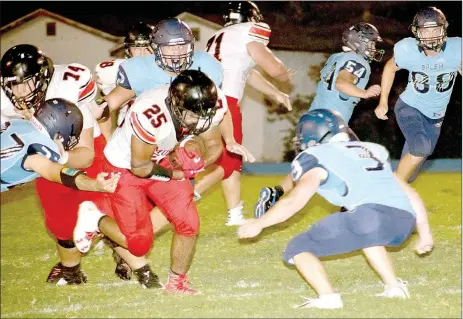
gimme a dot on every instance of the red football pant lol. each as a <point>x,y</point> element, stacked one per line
<point>60,203</point>
<point>131,207</point>
<point>231,162</point>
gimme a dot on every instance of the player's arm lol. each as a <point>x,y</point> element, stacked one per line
<point>82,155</point>
<point>142,166</point>
<point>260,83</point>
<point>386,84</point>
<point>345,83</point>
<point>289,205</point>
<point>422,224</point>
<point>213,144</point>
<point>266,60</point>
<point>69,177</point>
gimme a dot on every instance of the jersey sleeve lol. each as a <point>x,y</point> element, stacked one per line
<point>106,74</point>
<point>258,32</point>
<point>355,67</point>
<point>89,121</point>
<point>303,163</point>
<point>141,121</point>
<point>402,52</point>
<point>122,78</point>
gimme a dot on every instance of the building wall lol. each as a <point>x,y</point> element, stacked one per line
<point>70,44</point>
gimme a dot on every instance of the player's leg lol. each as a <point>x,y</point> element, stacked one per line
<point>60,213</point>
<point>419,135</point>
<point>175,199</point>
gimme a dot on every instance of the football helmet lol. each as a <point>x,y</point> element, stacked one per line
<point>170,34</point>
<point>321,126</point>
<point>192,97</point>
<point>58,116</point>
<point>427,20</point>
<point>242,11</point>
<point>25,64</point>
<point>138,36</point>
<point>362,38</point>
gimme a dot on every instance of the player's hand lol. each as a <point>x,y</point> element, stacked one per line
<point>424,244</point>
<point>98,109</point>
<point>189,160</point>
<point>249,229</point>
<point>190,174</point>
<point>283,99</point>
<point>58,141</point>
<point>239,149</point>
<point>372,91</point>
<point>381,111</point>
<point>107,185</point>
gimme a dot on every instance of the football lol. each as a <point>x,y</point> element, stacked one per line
<point>190,143</point>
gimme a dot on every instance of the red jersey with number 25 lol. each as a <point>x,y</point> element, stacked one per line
<point>150,120</point>
<point>229,47</point>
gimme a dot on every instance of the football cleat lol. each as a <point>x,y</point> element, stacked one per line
<point>329,301</point>
<point>400,291</point>
<point>55,274</point>
<point>267,198</point>
<point>178,285</point>
<point>147,278</point>
<point>235,216</point>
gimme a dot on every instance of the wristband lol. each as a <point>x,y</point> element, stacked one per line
<point>68,176</point>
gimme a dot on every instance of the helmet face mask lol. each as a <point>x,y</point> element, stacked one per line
<point>430,28</point>
<point>173,44</point>
<point>241,12</point>
<point>25,75</point>
<point>137,41</point>
<point>362,38</point>
<point>192,99</point>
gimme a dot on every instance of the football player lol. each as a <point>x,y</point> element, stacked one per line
<point>342,84</point>
<point>136,43</point>
<point>28,77</point>
<point>26,155</point>
<point>153,127</point>
<point>239,47</point>
<point>432,60</point>
<point>382,210</point>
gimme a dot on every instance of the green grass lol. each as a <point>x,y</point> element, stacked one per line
<point>237,279</point>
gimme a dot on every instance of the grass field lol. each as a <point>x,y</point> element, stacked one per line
<point>237,279</point>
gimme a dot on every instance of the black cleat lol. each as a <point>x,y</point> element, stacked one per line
<point>123,270</point>
<point>55,274</point>
<point>147,278</point>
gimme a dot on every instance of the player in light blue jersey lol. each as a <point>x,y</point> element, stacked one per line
<point>345,75</point>
<point>382,209</point>
<point>172,42</point>
<point>342,85</point>
<point>432,60</point>
<point>28,150</point>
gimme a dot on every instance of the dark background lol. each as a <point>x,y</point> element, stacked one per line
<point>319,22</point>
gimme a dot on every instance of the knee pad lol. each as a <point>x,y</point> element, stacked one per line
<point>140,245</point>
<point>68,244</point>
<point>420,146</point>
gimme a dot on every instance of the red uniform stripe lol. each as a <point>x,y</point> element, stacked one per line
<point>88,89</point>
<point>138,129</point>
<point>260,32</point>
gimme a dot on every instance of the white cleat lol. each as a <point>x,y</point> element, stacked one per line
<point>196,196</point>
<point>400,291</point>
<point>86,227</point>
<point>235,216</point>
<point>329,301</point>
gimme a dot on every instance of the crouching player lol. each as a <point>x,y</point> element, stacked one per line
<point>382,209</point>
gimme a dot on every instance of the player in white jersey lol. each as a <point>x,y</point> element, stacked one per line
<point>28,77</point>
<point>239,47</point>
<point>136,43</point>
<point>153,127</point>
